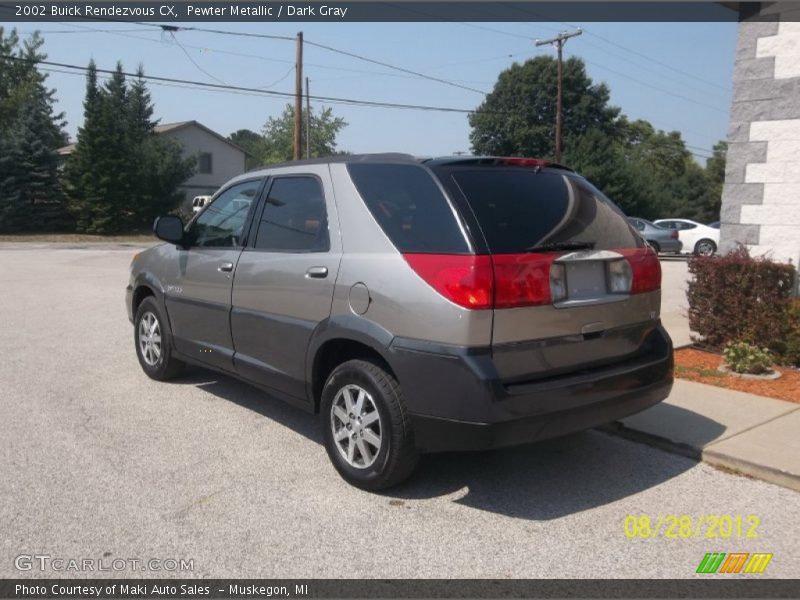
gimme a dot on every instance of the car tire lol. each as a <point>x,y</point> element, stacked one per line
<point>655,246</point>
<point>153,342</point>
<point>366,427</point>
<point>705,247</point>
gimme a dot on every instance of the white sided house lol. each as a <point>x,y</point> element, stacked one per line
<point>761,197</point>
<point>218,159</point>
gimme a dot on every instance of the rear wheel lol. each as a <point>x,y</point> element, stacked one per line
<point>705,248</point>
<point>154,342</point>
<point>366,427</point>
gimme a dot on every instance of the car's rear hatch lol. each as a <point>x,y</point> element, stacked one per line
<point>575,287</point>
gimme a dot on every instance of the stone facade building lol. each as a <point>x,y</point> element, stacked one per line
<point>761,196</point>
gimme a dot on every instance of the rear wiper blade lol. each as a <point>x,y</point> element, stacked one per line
<point>554,246</point>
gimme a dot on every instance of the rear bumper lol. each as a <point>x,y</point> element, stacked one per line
<point>458,403</point>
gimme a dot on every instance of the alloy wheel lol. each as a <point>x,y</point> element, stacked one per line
<point>150,339</point>
<point>356,426</point>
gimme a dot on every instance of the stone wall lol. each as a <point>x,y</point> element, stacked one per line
<point>761,196</point>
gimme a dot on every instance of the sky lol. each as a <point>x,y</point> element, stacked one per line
<point>675,75</point>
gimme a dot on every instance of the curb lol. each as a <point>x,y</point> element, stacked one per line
<point>709,456</point>
<point>745,467</point>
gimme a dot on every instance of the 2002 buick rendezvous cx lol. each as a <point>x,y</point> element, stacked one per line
<point>416,305</point>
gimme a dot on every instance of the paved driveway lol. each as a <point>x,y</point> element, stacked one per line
<point>97,460</point>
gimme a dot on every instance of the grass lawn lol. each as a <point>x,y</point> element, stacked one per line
<point>80,238</point>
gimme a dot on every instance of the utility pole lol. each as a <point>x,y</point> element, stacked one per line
<point>298,98</point>
<point>559,42</point>
<point>308,120</point>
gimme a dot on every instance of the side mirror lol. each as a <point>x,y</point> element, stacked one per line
<point>169,229</point>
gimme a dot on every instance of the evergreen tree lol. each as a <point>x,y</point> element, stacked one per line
<point>86,186</point>
<point>30,133</point>
<point>121,175</point>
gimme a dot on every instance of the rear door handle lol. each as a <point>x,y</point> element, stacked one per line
<point>317,272</point>
<point>225,267</point>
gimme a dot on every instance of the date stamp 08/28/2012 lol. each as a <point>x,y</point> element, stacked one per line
<point>685,527</point>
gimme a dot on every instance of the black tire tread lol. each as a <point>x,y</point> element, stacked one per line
<point>404,460</point>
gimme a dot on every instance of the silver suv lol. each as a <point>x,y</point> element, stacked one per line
<point>416,305</point>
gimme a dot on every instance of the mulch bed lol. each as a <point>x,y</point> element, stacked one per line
<point>701,366</point>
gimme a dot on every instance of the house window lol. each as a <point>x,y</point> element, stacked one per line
<point>204,162</point>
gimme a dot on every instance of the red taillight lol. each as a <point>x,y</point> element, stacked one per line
<point>522,279</point>
<point>477,282</point>
<point>674,234</point>
<point>645,269</point>
<point>466,280</point>
<point>515,280</point>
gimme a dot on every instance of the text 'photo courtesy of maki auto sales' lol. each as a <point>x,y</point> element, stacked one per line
<point>416,305</point>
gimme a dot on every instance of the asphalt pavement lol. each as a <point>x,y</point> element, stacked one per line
<point>99,461</point>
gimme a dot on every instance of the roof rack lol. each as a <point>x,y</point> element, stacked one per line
<point>343,158</point>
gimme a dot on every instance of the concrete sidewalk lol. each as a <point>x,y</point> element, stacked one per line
<point>748,434</point>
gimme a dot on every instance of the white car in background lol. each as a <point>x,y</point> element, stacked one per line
<point>198,202</point>
<point>696,238</point>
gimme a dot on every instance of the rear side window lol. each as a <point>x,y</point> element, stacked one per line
<point>519,208</point>
<point>410,208</point>
<point>294,218</point>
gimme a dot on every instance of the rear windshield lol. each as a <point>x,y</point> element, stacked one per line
<point>410,207</point>
<point>518,208</point>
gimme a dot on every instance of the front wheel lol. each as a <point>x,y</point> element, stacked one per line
<point>705,248</point>
<point>366,427</point>
<point>154,343</point>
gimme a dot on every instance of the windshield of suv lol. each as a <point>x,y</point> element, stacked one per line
<point>520,209</point>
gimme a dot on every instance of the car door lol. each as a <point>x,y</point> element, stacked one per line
<point>285,278</point>
<point>198,299</point>
<point>688,234</point>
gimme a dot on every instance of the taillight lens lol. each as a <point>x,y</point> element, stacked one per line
<point>530,279</point>
<point>523,279</point>
<point>466,280</point>
<point>674,234</point>
<point>645,269</point>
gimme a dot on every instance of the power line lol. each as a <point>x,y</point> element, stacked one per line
<point>394,67</point>
<point>203,84</point>
<point>191,60</point>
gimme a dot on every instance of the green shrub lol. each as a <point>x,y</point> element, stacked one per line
<point>742,357</point>
<point>737,297</point>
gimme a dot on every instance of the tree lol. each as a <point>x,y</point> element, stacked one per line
<point>30,133</point>
<point>121,174</point>
<point>252,143</point>
<point>715,170</point>
<point>518,117</point>
<point>279,134</point>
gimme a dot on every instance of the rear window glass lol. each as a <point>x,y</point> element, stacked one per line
<point>520,208</point>
<point>410,207</point>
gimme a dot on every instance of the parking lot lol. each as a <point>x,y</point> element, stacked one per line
<point>100,461</point>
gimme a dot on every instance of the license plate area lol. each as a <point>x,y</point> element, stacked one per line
<point>586,280</point>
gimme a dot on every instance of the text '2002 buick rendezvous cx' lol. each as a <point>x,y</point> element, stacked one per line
<point>416,305</point>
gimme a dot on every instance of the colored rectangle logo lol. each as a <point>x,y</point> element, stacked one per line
<point>734,562</point>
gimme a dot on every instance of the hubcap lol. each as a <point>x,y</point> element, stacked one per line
<point>706,249</point>
<point>356,426</point>
<point>149,339</point>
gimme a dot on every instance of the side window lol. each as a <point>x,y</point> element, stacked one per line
<point>684,226</point>
<point>221,224</point>
<point>669,224</point>
<point>294,218</point>
<point>204,162</point>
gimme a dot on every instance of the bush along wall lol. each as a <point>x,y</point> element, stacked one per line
<point>740,298</point>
